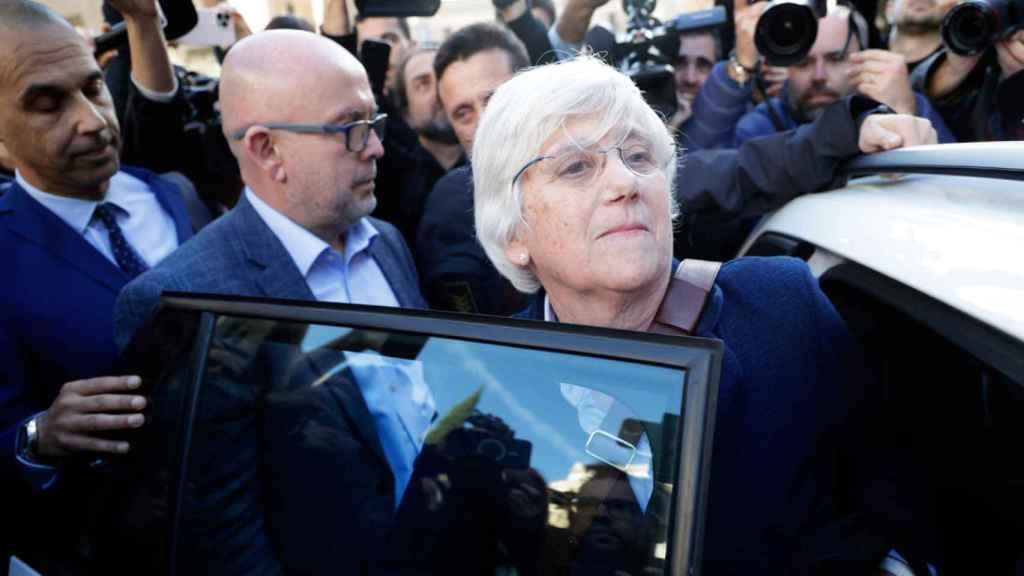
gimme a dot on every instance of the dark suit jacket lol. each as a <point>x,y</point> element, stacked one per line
<point>56,325</point>
<point>257,473</point>
<point>239,255</point>
<point>795,485</point>
<point>457,275</point>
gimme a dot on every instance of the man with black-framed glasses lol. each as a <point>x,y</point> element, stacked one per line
<point>300,117</point>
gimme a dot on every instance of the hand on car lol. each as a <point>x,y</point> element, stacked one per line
<point>882,75</point>
<point>1010,53</point>
<point>84,410</point>
<point>881,132</point>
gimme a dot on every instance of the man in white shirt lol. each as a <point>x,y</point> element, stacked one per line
<point>74,229</point>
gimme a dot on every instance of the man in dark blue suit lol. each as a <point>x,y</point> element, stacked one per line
<point>74,229</point>
<point>301,119</point>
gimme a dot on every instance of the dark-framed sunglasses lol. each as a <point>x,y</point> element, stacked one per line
<point>357,134</point>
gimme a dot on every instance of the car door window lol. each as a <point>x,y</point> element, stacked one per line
<point>326,447</point>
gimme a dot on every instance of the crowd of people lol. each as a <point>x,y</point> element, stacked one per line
<point>508,169</point>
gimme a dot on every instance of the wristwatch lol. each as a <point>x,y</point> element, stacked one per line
<point>738,72</point>
<point>30,437</point>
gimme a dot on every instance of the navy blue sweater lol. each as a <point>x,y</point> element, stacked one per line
<point>790,406</point>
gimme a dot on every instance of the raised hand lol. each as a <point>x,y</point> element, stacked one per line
<point>882,75</point>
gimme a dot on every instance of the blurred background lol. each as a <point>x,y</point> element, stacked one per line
<point>453,15</point>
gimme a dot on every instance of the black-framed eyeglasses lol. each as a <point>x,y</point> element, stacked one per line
<point>357,134</point>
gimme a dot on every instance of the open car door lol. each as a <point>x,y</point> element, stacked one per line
<point>312,438</point>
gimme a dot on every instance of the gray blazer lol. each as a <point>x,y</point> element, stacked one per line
<point>239,255</point>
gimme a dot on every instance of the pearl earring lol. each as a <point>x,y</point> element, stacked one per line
<point>523,258</point>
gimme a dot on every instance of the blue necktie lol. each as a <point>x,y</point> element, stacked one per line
<point>129,260</point>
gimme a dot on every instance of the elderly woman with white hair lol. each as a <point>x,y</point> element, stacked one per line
<point>573,178</point>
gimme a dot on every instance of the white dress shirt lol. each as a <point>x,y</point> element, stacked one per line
<point>353,277</point>
<point>146,225</point>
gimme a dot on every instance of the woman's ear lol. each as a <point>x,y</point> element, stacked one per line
<point>517,252</point>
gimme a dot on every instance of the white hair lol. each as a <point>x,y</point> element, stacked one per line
<point>523,114</point>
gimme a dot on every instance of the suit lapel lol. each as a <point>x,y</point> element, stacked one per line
<point>393,271</point>
<point>35,223</point>
<point>275,272</point>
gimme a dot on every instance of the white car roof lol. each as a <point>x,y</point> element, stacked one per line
<point>958,239</point>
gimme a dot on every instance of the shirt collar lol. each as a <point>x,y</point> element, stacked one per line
<point>549,312</point>
<point>77,212</point>
<point>302,245</point>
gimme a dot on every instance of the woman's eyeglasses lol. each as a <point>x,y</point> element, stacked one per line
<point>579,167</point>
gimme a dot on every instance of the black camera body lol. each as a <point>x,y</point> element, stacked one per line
<point>646,51</point>
<point>489,440</point>
<point>787,30</point>
<point>972,26</point>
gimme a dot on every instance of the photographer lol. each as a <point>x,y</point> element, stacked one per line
<point>727,92</point>
<point>698,52</point>
<point>915,26</point>
<point>170,123</point>
<point>979,96</point>
<point>838,66</point>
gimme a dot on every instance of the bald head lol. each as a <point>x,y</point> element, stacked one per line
<point>276,78</point>
<point>57,121</point>
<point>279,75</point>
<point>20,19</point>
<point>15,14</point>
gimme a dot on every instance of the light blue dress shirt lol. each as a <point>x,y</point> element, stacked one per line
<point>146,225</point>
<point>394,390</point>
<point>350,278</point>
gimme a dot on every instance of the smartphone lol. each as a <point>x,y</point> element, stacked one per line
<point>214,28</point>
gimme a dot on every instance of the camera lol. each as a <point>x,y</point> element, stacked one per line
<point>971,27</point>
<point>787,30</point>
<point>487,438</point>
<point>646,51</point>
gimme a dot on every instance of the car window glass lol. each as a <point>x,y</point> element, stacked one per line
<point>326,449</point>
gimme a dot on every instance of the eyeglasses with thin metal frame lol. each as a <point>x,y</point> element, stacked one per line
<point>578,167</point>
<point>357,134</point>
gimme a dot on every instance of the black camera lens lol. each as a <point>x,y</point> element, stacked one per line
<point>969,28</point>
<point>786,32</point>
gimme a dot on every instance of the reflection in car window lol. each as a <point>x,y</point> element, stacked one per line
<point>329,450</point>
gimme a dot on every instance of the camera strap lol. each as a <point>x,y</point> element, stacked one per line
<point>686,297</point>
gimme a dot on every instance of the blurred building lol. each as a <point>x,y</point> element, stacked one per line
<point>453,13</point>
<point>81,13</point>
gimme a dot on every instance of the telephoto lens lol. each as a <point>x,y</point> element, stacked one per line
<point>972,26</point>
<point>787,30</point>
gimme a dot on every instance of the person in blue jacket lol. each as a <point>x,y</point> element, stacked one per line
<point>838,65</point>
<point>573,204</point>
<point>75,227</point>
